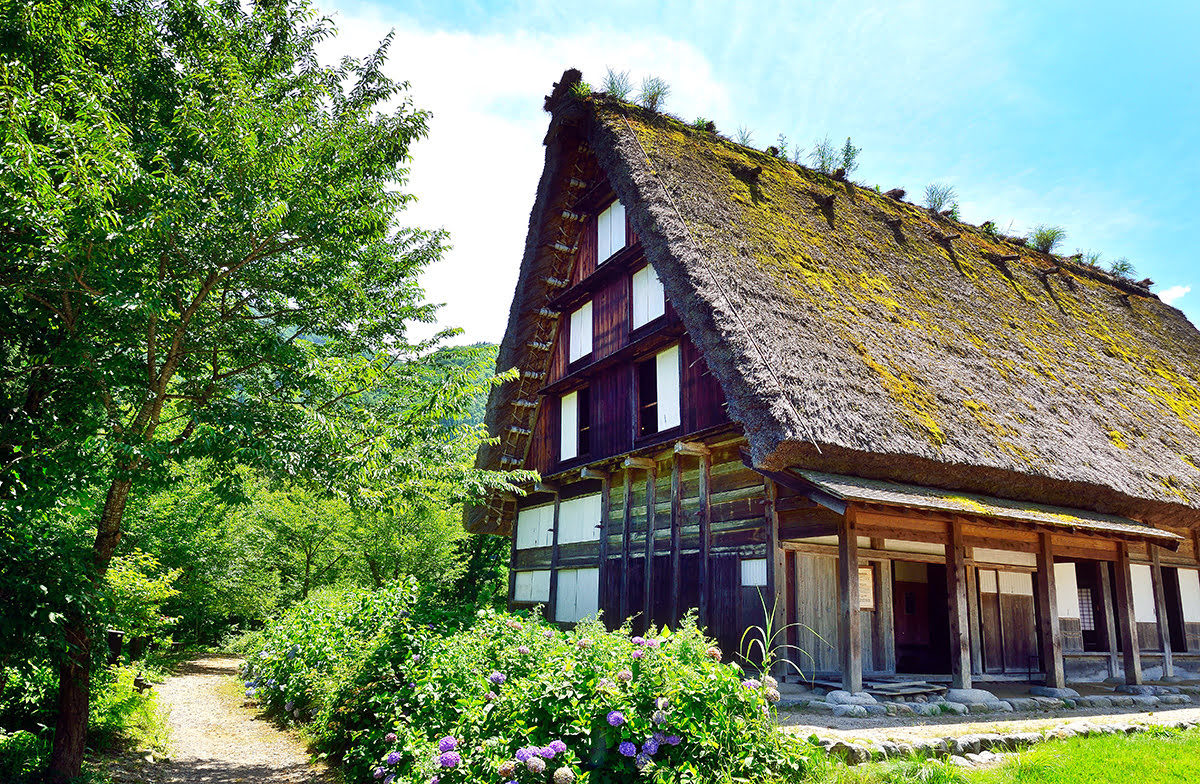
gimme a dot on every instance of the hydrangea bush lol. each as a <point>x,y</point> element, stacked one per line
<point>515,699</point>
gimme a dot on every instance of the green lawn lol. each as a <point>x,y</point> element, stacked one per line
<point>1146,758</point>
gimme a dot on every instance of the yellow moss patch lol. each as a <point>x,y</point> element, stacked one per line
<point>1118,439</point>
<point>916,403</point>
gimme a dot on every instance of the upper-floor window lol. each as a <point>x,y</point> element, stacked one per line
<point>575,425</point>
<point>649,300</point>
<point>658,392</point>
<point>580,332</point>
<point>610,231</point>
<point>535,527</point>
<point>579,519</point>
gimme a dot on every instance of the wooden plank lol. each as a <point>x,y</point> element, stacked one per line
<point>605,515</point>
<point>512,564</point>
<point>1047,603</point>
<point>703,515</point>
<point>1110,621</point>
<point>960,627</point>
<point>626,535</point>
<point>885,619</point>
<point>792,638</point>
<point>776,578</point>
<point>1160,606</point>
<point>651,532</point>
<point>552,608</point>
<point>849,632</point>
<point>1129,644</point>
<point>676,537</point>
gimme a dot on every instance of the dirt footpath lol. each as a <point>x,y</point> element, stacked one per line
<point>216,739</point>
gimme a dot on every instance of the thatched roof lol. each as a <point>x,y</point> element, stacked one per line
<point>871,337</point>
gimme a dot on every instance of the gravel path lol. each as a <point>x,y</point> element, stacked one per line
<point>216,738</point>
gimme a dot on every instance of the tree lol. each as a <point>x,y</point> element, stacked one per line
<point>188,198</point>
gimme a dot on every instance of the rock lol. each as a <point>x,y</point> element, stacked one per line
<point>975,759</point>
<point>852,753</point>
<point>926,709</point>
<point>957,746</point>
<point>901,709</point>
<point>955,708</point>
<point>850,711</point>
<point>793,703</point>
<point>961,762</point>
<point>1175,699</point>
<point>1100,701</point>
<point>905,750</point>
<point>1048,703</point>
<point>1047,691</point>
<point>1121,700</point>
<point>841,697</point>
<point>1020,739</point>
<point>875,710</point>
<point>1062,733</point>
<point>818,707</point>
<point>970,696</point>
<point>889,750</point>
<point>1000,706</point>
<point>1023,703</point>
<point>1136,688</point>
<point>1144,701</point>
<point>1070,704</point>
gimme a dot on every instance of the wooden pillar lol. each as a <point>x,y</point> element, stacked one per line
<point>1110,618</point>
<point>704,515</point>
<point>605,512</point>
<point>884,612</point>
<point>626,535</point>
<point>1047,599</point>
<point>776,575</point>
<point>1160,610</point>
<point>552,604</point>
<point>1125,617</point>
<point>849,632</point>
<point>651,528</point>
<point>676,537</point>
<point>512,560</point>
<point>974,621</point>
<point>956,588</point>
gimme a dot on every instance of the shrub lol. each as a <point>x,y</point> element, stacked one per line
<point>744,136</point>
<point>516,698</point>
<point>1046,238</point>
<point>1122,268</point>
<point>849,157</point>
<point>654,93</point>
<point>824,156</point>
<point>617,84</point>
<point>940,197</point>
<point>121,717</point>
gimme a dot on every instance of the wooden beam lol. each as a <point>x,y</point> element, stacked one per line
<point>545,487</point>
<point>693,448</point>
<point>886,619</point>
<point>626,536</point>
<point>676,536</point>
<point>1110,618</point>
<point>648,564</point>
<point>552,604</point>
<point>592,473</point>
<point>1160,610</point>
<point>704,517</point>
<point>512,563</point>
<point>776,576</point>
<point>1126,622</point>
<point>960,626</point>
<point>1047,599</point>
<point>849,632</point>
<point>605,525</point>
<point>974,620</point>
<point>644,463</point>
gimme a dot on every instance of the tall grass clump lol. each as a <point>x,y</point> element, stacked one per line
<point>654,93</point>
<point>515,698</point>
<point>1046,238</point>
<point>939,197</point>
<point>617,84</point>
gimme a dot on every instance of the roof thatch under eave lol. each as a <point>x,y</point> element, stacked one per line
<point>847,344</point>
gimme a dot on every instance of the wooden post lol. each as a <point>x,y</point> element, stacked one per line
<point>512,561</point>
<point>974,621</point>
<point>1047,599</point>
<point>956,587</point>
<point>703,515</point>
<point>1125,617</point>
<point>1160,610</point>
<point>776,576</point>
<point>552,604</point>
<point>605,512</point>
<point>648,572</point>
<point>849,633</point>
<point>626,534</point>
<point>676,536</point>
<point>884,612</point>
<point>1110,619</point>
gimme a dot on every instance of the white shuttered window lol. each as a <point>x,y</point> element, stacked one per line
<point>580,332</point>
<point>578,594</point>
<point>533,527</point>
<point>1144,610</point>
<point>532,586</point>
<point>754,572</point>
<point>578,519</point>
<point>610,232</point>
<point>569,427</point>
<point>649,300</point>
<point>668,388</point>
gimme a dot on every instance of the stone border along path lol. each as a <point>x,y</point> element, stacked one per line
<point>217,737</point>
<point>865,730</point>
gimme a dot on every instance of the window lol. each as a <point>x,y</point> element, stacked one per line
<point>649,301</point>
<point>534,527</point>
<point>578,594</point>
<point>579,519</point>
<point>580,332</point>
<point>610,232</point>
<point>754,572</point>
<point>532,586</point>
<point>575,436</point>
<point>658,392</point>
<point>1087,614</point>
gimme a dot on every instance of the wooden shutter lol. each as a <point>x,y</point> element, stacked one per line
<point>569,427</point>
<point>532,586</point>
<point>533,527</point>
<point>1066,589</point>
<point>565,607</point>
<point>754,572</point>
<point>1144,609</point>
<point>1189,594</point>
<point>580,332</point>
<point>610,232</point>
<point>667,369</point>
<point>577,519</point>
<point>649,300</point>
<point>587,593</point>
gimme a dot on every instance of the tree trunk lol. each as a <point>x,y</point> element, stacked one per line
<point>75,674</point>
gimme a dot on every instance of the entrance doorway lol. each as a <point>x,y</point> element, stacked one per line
<point>921,617</point>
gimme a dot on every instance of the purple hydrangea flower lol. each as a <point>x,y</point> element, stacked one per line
<point>450,759</point>
<point>497,677</point>
<point>545,752</point>
<point>642,761</point>
<point>390,737</point>
<point>389,778</point>
<point>650,747</point>
<point>674,740</point>
<point>435,780</point>
<point>659,717</point>
<point>491,696</point>
<point>558,746</point>
<point>394,757</point>
<point>524,755</point>
<point>536,764</point>
<point>616,718</point>
<point>584,643</point>
<point>416,658</point>
<point>627,749</point>
<point>661,703</point>
<point>751,683</point>
<point>625,676</point>
<point>638,654</point>
<point>522,649</point>
<point>287,706</point>
<point>638,640</point>
<point>548,634</point>
<point>379,773</point>
<point>658,736</point>
<point>448,743</point>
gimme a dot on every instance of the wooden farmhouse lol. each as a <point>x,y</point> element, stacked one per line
<point>931,450</point>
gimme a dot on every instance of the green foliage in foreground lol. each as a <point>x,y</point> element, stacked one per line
<point>386,693</point>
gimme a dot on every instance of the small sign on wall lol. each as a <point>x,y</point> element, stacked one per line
<point>866,588</point>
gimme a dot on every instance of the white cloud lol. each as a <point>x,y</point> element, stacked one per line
<point>476,174</point>
<point>1171,294</point>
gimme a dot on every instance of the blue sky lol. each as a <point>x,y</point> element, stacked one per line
<point>1081,115</point>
